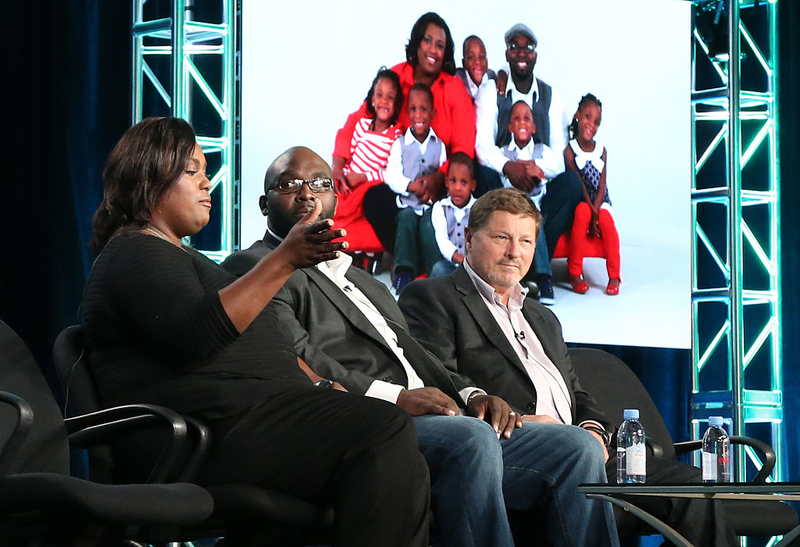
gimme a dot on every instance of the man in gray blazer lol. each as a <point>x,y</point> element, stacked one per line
<point>480,325</point>
<point>348,328</point>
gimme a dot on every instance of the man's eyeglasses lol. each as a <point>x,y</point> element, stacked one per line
<point>518,47</point>
<point>315,185</point>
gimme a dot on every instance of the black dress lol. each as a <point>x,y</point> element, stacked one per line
<point>159,335</point>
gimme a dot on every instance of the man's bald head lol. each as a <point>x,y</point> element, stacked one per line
<point>284,209</point>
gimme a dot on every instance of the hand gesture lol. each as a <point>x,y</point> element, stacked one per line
<point>594,224</point>
<point>416,187</point>
<point>340,177</point>
<point>427,400</point>
<point>534,171</point>
<point>458,258</point>
<point>502,82</point>
<point>310,241</point>
<point>503,418</point>
<point>517,174</point>
<point>433,185</point>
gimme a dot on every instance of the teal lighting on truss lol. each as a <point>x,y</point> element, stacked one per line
<point>185,66</point>
<point>736,349</point>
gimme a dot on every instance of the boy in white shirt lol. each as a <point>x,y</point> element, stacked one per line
<point>540,163</point>
<point>449,216</point>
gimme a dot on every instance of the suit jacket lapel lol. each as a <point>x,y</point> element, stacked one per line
<point>484,318</point>
<point>349,310</point>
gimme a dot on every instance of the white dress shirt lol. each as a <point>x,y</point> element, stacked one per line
<point>335,270</point>
<point>439,222</point>
<point>394,175</point>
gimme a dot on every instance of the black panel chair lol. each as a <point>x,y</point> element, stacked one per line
<point>244,514</point>
<point>40,504</point>
<point>615,387</point>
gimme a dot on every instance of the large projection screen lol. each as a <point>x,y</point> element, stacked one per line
<point>307,65</point>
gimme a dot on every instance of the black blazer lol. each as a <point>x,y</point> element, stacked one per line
<point>449,317</point>
<point>338,342</point>
<point>241,262</point>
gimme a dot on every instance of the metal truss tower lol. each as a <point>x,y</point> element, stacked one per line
<point>736,349</point>
<point>184,65</point>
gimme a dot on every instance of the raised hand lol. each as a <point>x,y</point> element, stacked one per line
<point>310,241</point>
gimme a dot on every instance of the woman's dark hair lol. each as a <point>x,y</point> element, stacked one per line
<point>586,99</point>
<point>418,33</point>
<point>387,74</point>
<point>148,159</point>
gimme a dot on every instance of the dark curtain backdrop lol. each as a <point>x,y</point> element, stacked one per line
<point>66,85</point>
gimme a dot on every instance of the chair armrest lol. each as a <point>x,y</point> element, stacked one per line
<point>684,447</point>
<point>105,425</point>
<point>202,442</point>
<point>767,453</point>
<point>20,433</point>
<point>655,448</point>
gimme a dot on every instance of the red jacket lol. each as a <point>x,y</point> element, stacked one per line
<point>455,115</point>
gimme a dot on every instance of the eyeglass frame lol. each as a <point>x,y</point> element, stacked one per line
<point>309,183</point>
<point>516,47</point>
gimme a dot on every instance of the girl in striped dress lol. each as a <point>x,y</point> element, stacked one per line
<point>371,141</point>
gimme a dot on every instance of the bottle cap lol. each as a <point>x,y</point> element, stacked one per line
<point>630,414</point>
<point>715,421</point>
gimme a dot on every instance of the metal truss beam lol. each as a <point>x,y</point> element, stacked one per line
<point>184,65</point>
<point>736,347</point>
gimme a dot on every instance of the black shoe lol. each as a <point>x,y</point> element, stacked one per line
<point>546,294</point>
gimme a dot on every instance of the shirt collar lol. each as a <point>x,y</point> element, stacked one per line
<point>276,236</point>
<point>338,267</point>
<point>409,137</point>
<point>516,296</point>
<point>512,146</point>
<point>518,95</point>
<point>447,202</point>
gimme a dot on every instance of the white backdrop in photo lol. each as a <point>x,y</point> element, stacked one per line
<point>307,65</point>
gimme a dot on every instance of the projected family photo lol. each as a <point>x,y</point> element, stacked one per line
<point>612,117</point>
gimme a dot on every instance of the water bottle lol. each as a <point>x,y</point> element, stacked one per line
<point>631,455</point>
<point>716,451</point>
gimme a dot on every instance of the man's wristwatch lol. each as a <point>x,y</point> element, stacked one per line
<point>472,395</point>
<point>605,435</point>
<point>324,383</point>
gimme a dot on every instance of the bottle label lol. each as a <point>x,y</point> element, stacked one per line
<point>635,460</point>
<point>709,466</point>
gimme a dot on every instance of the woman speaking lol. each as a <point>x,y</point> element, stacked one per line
<point>167,326</point>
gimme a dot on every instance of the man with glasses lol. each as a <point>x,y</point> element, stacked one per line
<point>347,327</point>
<point>493,112</point>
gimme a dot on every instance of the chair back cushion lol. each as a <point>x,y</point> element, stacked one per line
<point>71,360</point>
<point>46,448</point>
<point>615,387</point>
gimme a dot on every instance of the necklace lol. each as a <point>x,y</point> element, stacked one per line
<point>158,233</point>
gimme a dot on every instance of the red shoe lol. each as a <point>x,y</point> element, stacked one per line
<point>613,286</point>
<point>579,284</point>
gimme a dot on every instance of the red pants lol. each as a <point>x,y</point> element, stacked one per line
<point>579,239</point>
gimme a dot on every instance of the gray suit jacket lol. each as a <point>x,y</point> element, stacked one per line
<point>332,335</point>
<point>448,316</point>
<point>241,262</point>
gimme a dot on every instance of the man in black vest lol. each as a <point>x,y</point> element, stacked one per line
<point>493,111</point>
